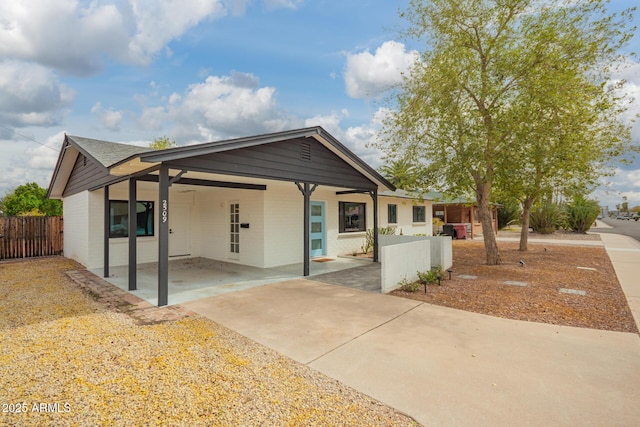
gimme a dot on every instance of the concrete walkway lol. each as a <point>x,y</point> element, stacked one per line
<point>444,366</point>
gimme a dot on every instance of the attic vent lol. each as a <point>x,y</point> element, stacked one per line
<point>305,151</point>
<point>84,160</point>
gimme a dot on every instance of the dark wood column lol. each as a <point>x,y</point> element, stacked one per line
<point>133,234</point>
<point>107,229</point>
<point>163,237</point>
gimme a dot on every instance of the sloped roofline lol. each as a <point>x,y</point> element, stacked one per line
<point>65,164</point>
<point>316,132</point>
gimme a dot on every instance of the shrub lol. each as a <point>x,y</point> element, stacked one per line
<point>546,218</point>
<point>430,276</point>
<point>581,213</point>
<point>508,214</point>
<point>407,286</point>
<point>368,239</point>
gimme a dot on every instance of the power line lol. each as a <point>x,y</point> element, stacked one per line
<point>28,137</point>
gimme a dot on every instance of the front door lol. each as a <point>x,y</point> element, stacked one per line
<point>179,230</point>
<point>317,234</point>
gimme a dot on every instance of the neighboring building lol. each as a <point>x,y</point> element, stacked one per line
<point>461,211</point>
<point>242,200</point>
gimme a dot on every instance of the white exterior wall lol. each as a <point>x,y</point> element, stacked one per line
<point>76,227</point>
<point>275,219</point>
<point>283,212</point>
<point>211,236</point>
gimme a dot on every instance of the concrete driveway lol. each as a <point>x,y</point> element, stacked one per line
<point>439,365</point>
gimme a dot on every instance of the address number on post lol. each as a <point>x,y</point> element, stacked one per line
<point>165,211</point>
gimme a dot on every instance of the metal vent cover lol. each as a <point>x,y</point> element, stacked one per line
<point>305,151</point>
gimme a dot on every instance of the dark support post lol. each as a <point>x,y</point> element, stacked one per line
<point>107,229</point>
<point>374,195</point>
<point>133,234</point>
<point>163,237</point>
<point>307,211</point>
<point>306,191</point>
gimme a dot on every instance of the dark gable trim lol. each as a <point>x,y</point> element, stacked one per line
<point>86,174</point>
<point>300,159</point>
<point>219,146</point>
<point>352,156</point>
<point>176,155</point>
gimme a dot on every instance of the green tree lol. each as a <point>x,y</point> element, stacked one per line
<point>461,108</point>
<point>30,199</point>
<point>401,173</point>
<point>162,143</point>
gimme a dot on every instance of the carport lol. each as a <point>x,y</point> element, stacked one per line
<point>293,162</point>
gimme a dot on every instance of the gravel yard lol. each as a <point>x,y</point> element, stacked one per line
<point>532,292</point>
<point>67,359</point>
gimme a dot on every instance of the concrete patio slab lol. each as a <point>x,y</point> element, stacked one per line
<point>302,319</point>
<point>196,278</point>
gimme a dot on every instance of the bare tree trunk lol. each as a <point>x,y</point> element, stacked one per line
<point>524,234</point>
<point>483,193</point>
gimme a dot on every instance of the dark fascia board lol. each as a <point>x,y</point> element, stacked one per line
<point>85,152</point>
<point>208,183</point>
<point>117,179</point>
<point>218,146</point>
<point>56,169</point>
<point>352,156</point>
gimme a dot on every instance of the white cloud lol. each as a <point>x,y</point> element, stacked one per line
<point>158,22</point>
<point>220,107</point>
<point>31,95</point>
<point>45,156</point>
<point>276,4</point>
<point>368,75</point>
<point>613,188</point>
<point>109,118</point>
<point>74,36</point>
<point>359,139</point>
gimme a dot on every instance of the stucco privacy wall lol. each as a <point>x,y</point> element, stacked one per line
<point>441,247</point>
<point>403,261</point>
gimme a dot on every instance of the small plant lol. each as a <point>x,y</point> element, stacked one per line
<point>368,240</point>
<point>437,226</point>
<point>407,286</point>
<point>546,218</point>
<point>354,253</point>
<point>430,277</point>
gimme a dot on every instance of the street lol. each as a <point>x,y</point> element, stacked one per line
<point>629,228</point>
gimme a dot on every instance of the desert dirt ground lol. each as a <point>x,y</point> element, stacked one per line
<point>68,359</point>
<point>534,290</point>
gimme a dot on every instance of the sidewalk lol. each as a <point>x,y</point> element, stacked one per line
<point>624,253</point>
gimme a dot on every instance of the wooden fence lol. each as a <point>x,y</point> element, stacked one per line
<point>30,236</point>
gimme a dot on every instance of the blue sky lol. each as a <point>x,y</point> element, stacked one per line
<point>201,70</point>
